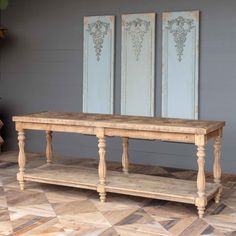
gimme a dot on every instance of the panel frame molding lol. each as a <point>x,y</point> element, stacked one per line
<point>195,73</point>
<point>112,60</point>
<point>151,78</point>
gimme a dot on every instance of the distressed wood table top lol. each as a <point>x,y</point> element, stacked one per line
<point>123,122</point>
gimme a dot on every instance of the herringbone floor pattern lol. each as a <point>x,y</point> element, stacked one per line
<point>50,210</point>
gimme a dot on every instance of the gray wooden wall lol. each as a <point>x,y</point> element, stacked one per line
<point>41,69</point>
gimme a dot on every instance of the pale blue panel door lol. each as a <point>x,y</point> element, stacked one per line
<point>98,64</point>
<point>138,55</point>
<point>180,64</point>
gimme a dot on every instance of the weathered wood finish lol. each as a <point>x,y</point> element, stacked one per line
<point>36,210</point>
<point>125,155</point>
<point>102,169</point>
<point>85,122</point>
<point>49,146</point>
<point>217,166</point>
<point>180,130</point>
<point>201,200</point>
<point>132,184</point>
<point>21,158</point>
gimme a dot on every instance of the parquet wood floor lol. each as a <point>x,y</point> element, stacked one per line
<point>50,210</point>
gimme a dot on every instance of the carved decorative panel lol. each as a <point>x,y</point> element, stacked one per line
<point>98,64</point>
<point>138,58</point>
<point>180,53</point>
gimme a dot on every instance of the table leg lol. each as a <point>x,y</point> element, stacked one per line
<point>201,200</point>
<point>21,158</point>
<point>102,167</point>
<point>217,166</point>
<point>49,146</point>
<point>125,155</point>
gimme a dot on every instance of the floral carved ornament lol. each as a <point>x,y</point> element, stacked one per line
<point>180,27</point>
<point>137,30</point>
<point>98,30</point>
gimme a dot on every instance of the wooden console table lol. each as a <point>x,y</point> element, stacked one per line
<point>176,130</point>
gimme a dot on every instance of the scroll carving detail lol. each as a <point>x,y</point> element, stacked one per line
<point>137,30</point>
<point>180,27</point>
<point>98,30</point>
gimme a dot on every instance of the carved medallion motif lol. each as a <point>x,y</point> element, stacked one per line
<point>98,30</point>
<point>137,30</point>
<point>180,27</point>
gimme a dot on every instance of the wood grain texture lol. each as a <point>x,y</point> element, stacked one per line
<point>195,131</point>
<point>49,151</point>
<point>102,168</point>
<point>168,125</point>
<point>21,158</point>
<point>201,201</point>
<point>132,184</point>
<point>125,155</point>
<point>36,210</point>
<point>217,165</point>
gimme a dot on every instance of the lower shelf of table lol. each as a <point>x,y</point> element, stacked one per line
<point>118,182</point>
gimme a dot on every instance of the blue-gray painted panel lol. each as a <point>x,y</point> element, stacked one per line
<point>180,64</point>
<point>138,55</point>
<point>98,64</point>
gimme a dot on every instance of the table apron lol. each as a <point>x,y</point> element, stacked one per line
<point>137,134</point>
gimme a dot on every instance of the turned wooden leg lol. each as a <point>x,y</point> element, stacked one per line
<point>21,158</point>
<point>217,166</point>
<point>49,146</point>
<point>201,200</point>
<point>102,167</point>
<point>125,155</point>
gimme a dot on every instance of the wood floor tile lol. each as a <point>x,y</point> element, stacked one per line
<point>6,228</point>
<point>4,214</point>
<point>137,217</point>
<point>118,215</point>
<point>57,194</point>
<point>36,225</point>
<point>8,177</point>
<point>21,198</point>
<point>211,231</point>
<point>86,229</point>
<point>226,223</point>
<point>110,232</point>
<point>172,210</point>
<point>42,210</point>
<point>30,186</point>
<point>142,229</point>
<point>50,210</point>
<point>76,220</point>
<point>195,229</point>
<point>114,204</point>
<point>74,207</point>
<point>3,202</point>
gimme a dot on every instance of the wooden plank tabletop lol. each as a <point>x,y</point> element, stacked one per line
<point>123,122</point>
